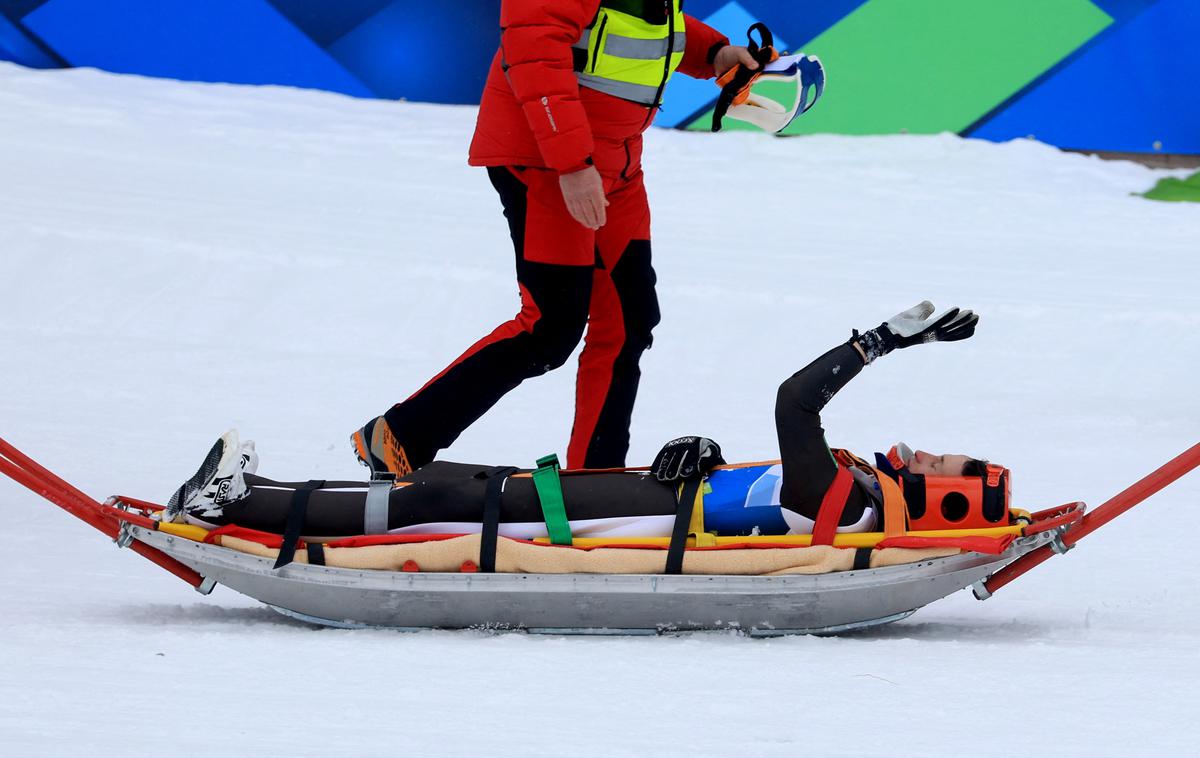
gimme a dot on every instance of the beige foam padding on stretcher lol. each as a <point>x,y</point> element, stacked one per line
<point>513,557</point>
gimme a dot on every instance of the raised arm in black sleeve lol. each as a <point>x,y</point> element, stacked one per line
<point>808,466</point>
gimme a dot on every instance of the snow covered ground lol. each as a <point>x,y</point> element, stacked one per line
<point>176,259</point>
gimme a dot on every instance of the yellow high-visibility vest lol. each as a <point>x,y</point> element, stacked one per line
<point>631,49</point>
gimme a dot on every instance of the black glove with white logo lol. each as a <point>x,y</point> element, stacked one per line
<point>686,458</point>
<point>914,327</point>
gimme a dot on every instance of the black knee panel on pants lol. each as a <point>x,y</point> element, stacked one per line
<point>562,294</point>
<point>635,279</point>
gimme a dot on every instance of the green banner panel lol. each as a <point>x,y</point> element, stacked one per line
<point>929,66</point>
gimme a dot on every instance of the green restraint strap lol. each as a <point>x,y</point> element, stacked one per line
<point>549,491</point>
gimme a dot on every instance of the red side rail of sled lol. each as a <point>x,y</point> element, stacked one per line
<point>29,473</point>
<point>1055,518</point>
<point>1174,469</point>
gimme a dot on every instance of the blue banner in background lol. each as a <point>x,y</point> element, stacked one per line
<point>398,49</point>
<point>1134,88</point>
<point>1131,88</point>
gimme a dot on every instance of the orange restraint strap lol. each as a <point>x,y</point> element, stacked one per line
<point>832,506</point>
<point>895,510</point>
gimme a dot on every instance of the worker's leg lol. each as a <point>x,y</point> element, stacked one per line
<point>554,261</point>
<point>624,310</point>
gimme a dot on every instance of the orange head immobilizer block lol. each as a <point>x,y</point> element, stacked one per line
<point>951,502</point>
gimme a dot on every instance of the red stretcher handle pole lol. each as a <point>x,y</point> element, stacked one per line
<point>82,508</point>
<point>1177,467</point>
<point>46,483</point>
<point>29,473</point>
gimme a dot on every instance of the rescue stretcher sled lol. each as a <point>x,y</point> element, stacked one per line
<point>590,603</point>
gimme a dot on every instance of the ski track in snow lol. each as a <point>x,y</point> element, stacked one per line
<point>179,258</point>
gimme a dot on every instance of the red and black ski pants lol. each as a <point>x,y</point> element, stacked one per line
<point>571,279</point>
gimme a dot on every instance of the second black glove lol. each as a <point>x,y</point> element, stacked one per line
<point>686,458</point>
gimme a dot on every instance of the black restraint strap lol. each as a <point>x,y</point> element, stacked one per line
<point>994,507</point>
<point>295,521</point>
<point>491,519</point>
<point>862,558</point>
<point>316,554</point>
<point>914,494</point>
<point>683,520</point>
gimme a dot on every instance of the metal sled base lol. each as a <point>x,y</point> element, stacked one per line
<point>589,603</point>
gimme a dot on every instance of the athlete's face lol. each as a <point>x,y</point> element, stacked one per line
<point>928,464</point>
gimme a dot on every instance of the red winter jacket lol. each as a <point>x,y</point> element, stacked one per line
<point>538,115</point>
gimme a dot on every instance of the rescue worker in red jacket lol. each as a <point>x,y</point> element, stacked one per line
<point>572,88</point>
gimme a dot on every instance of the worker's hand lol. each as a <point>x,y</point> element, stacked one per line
<point>583,192</point>
<point>686,458</point>
<point>730,56</point>
<point>916,326</point>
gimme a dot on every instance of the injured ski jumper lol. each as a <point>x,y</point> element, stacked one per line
<point>572,88</point>
<point>811,490</point>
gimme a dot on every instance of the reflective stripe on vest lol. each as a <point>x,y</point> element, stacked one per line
<point>634,48</point>
<point>624,55</point>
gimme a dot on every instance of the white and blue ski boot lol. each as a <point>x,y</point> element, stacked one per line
<point>220,481</point>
